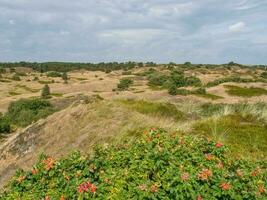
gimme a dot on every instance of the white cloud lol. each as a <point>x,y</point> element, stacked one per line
<point>63,32</point>
<point>237,27</point>
<point>175,9</point>
<point>11,22</point>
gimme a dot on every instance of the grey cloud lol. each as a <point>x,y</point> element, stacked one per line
<point>141,30</point>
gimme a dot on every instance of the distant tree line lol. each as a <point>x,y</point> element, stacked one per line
<point>69,66</point>
<point>111,66</point>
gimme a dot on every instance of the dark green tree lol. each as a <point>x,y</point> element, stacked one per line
<point>172,90</point>
<point>65,77</point>
<point>45,92</point>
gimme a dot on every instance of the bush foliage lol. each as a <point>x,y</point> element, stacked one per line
<point>158,166</point>
<point>23,112</point>
<point>53,74</point>
<point>124,84</point>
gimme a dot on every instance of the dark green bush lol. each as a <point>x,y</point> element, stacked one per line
<point>175,78</point>
<point>172,90</point>
<point>46,92</point>
<point>25,111</point>
<point>156,79</point>
<point>183,92</point>
<point>124,84</point>
<point>65,77</point>
<point>5,126</point>
<point>53,74</point>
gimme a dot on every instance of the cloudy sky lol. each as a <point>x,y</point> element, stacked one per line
<point>200,31</point>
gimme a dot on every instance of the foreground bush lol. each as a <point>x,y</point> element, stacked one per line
<point>158,166</point>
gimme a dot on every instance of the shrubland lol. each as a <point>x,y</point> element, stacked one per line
<point>158,165</point>
<point>174,79</point>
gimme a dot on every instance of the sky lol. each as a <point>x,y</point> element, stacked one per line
<point>199,31</point>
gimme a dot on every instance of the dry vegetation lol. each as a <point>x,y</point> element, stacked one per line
<point>92,109</point>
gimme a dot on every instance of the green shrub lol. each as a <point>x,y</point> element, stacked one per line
<point>53,74</point>
<point>45,92</point>
<point>175,78</point>
<point>124,84</point>
<point>25,111</point>
<point>5,126</point>
<point>65,77</point>
<point>157,166</point>
<point>183,92</point>
<point>156,79</point>
<point>172,90</point>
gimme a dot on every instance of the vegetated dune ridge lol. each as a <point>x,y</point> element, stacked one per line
<point>78,127</point>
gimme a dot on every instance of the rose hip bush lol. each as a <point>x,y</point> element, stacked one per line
<point>157,166</point>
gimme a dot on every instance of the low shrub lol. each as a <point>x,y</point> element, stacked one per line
<point>172,90</point>
<point>176,78</point>
<point>53,74</point>
<point>46,92</point>
<point>124,84</point>
<point>5,126</point>
<point>25,111</point>
<point>156,166</point>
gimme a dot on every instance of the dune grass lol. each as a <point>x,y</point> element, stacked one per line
<point>244,91</point>
<point>242,126</point>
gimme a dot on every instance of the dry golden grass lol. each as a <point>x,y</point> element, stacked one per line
<point>78,127</point>
<point>89,82</point>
